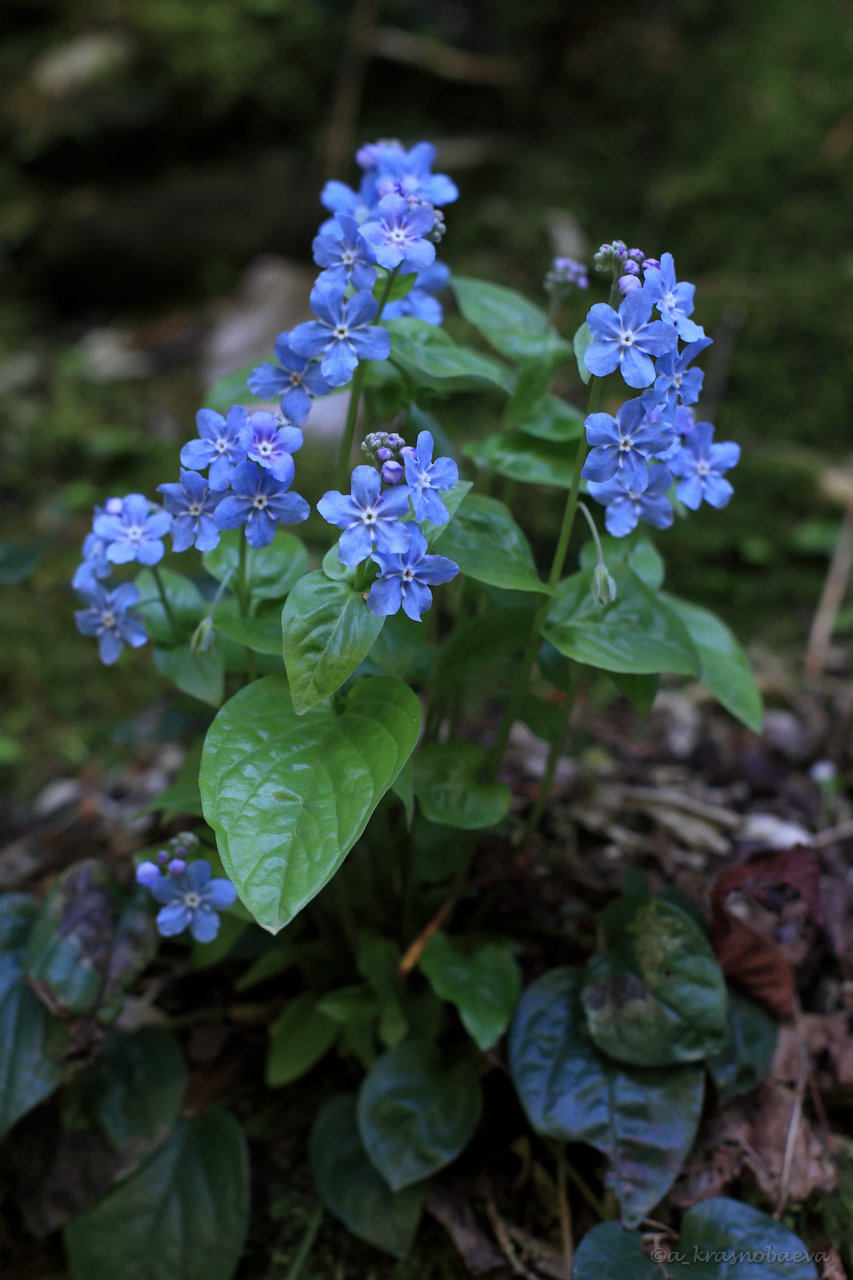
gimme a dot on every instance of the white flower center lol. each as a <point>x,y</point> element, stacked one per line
<point>192,900</point>
<point>134,532</point>
<point>107,620</point>
<point>408,574</point>
<point>259,501</point>
<point>341,332</point>
<point>195,509</point>
<point>369,516</point>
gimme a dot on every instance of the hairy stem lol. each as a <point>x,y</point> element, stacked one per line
<point>345,450</point>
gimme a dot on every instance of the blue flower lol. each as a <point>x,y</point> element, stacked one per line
<point>219,446</point>
<point>419,301</point>
<point>396,235</point>
<point>675,383</point>
<point>296,380</point>
<point>626,339</point>
<point>699,467</point>
<point>95,564</point>
<point>136,533</point>
<point>425,478</point>
<point>408,173</point>
<point>259,502</point>
<point>623,445</point>
<point>337,197</point>
<point>192,504</point>
<point>674,301</point>
<point>370,519</point>
<point>344,255</point>
<point>625,507</point>
<point>343,334</point>
<point>107,618</point>
<point>407,576</point>
<point>271,444</point>
<point>191,900</point>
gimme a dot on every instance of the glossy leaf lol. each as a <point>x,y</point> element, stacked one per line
<point>554,420</point>
<point>415,1115</point>
<point>181,1216</point>
<point>299,1038</point>
<point>656,995</point>
<point>452,499</point>
<point>640,555</point>
<point>270,571</point>
<point>263,635</point>
<point>399,287</point>
<point>185,600</point>
<point>350,1187</point>
<point>643,1121</point>
<point>746,1057</point>
<point>723,665</point>
<point>31,1041</point>
<point>430,357</point>
<point>445,778</point>
<point>201,675</point>
<point>640,691</point>
<point>327,630</point>
<point>482,980</point>
<point>581,342</point>
<point>288,796</point>
<point>637,634</point>
<point>514,326</point>
<point>521,456</point>
<point>488,546</point>
<point>609,1252</point>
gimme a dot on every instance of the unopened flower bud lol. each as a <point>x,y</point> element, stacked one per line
<point>603,585</point>
<point>203,637</point>
<point>147,873</point>
<point>177,867</point>
<point>392,472</point>
<point>628,283</point>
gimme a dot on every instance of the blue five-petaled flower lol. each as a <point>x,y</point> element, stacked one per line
<point>407,576</point>
<point>369,519</point>
<point>343,334</point>
<point>627,339</point>
<point>107,619</point>
<point>426,478</point>
<point>136,533</point>
<point>622,446</point>
<point>260,502</point>
<point>191,900</point>
<point>294,379</point>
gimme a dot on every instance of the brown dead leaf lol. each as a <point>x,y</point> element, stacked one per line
<point>715,1161</point>
<point>449,1207</point>
<point>812,1168</point>
<point>831,1266</point>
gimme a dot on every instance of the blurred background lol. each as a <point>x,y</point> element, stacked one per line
<point>159,181</point>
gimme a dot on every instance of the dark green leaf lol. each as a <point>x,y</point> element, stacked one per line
<point>185,600</point>
<point>134,1091</point>
<point>378,959</point>
<point>637,634</point>
<point>640,555</point>
<point>452,500</point>
<point>350,1004</point>
<point>270,571</point>
<point>553,420</point>
<point>483,980</point>
<point>278,959</point>
<point>261,634</point>
<point>401,285</point>
<point>207,954</point>
<point>530,399</point>
<point>643,1121</point>
<point>478,642</point>
<point>414,1114</point>
<point>656,996</point>
<point>581,342</point>
<point>327,631</point>
<point>430,357</point>
<point>488,545</point>
<point>640,691</point>
<point>299,1038</point>
<point>31,1041</point>
<point>723,1239</point>
<point>723,665</point>
<point>181,1216</point>
<point>350,1187</point>
<point>521,456</point>
<point>446,783</point>
<point>18,563</point>
<point>68,952</point>
<point>745,1059</point>
<point>512,325</point>
<point>288,796</point>
<point>609,1252</point>
<point>201,675</point>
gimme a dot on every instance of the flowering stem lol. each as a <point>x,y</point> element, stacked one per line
<point>345,451</point>
<point>554,751</point>
<point>164,600</point>
<point>243,595</point>
<point>496,754</point>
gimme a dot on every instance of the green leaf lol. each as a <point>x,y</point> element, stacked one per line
<point>508,321</point>
<point>608,1250</point>
<point>644,1121</point>
<point>261,634</point>
<point>639,554</point>
<point>230,390</point>
<point>747,1054</point>
<point>452,500</point>
<point>270,571</point>
<point>299,1038</point>
<point>181,1216</point>
<point>482,979</point>
<point>723,665</point>
<point>134,1092</point>
<point>207,954</point>
<point>350,1004</point>
<point>288,796</point>
<point>401,285</point>
<point>640,691</point>
<point>18,563</point>
<point>334,567</point>
<point>414,1114</point>
<point>446,783</point>
<point>32,1043</point>
<point>68,951</point>
<point>430,357</point>
<point>185,600</point>
<point>350,1187</point>
<point>327,631</point>
<point>656,995</point>
<point>637,634</point>
<point>554,420</point>
<point>488,546</point>
<point>201,675</point>
<point>377,959</point>
<point>403,789</point>
<point>581,342</point>
<point>520,456</point>
<point>530,398</point>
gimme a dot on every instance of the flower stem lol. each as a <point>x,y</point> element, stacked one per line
<point>554,752</point>
<point>243,599</point>
<point>164,600</point>
<point>345,450</point>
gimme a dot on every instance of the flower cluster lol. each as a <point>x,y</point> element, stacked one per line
<point>564,275</point>
<point>654,439</point>
<point>382,525</point>
<point>391,224</point>
<point>190,897</point>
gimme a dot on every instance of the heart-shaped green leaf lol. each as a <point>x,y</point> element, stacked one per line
<point>327,630</point>
<point>745,1059</point>
<point>488,545</point>
<point>518,455</point>
<point>643,1121</point>
<point>299,1037</point>
<point>445,778</point>
<point>350,1187</point>
<point>656,995</point>
<point>514,326</point>
<point>483,980</point>
<point>723,665</point>
<point>201,675</point>
<point>553,419</point>
<point>288,796</point>
<point>430,357</point>
<point>271,571</point>
<point>414,1114</point>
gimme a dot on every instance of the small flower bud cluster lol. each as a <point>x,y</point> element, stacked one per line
<point>386,450</point>
<point>564,275</point>
<point>190,897</point>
